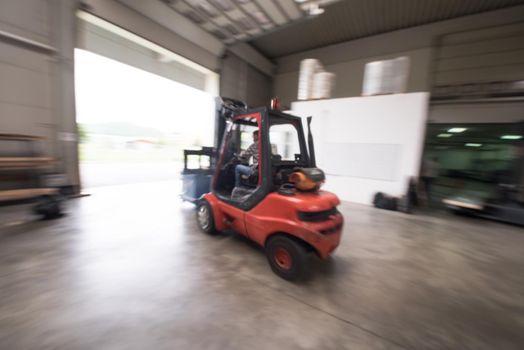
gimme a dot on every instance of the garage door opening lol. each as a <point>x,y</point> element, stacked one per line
<point>138,106</point>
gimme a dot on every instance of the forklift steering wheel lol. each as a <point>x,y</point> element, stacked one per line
<point>233,161</point>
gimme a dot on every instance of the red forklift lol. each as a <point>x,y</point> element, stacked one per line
<point>279,205</point>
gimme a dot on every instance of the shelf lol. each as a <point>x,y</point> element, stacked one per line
<point>20,137</point>
<point>25,162</point>
<point>25,193</point>
<point>27,167</point>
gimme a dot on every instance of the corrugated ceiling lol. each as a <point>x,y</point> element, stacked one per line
<point>353,19</point>
<point>238,20</point>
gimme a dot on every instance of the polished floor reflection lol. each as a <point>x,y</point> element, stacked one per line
<point>127,268</point>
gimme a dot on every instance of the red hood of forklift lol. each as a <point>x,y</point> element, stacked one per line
<point>312,201</point>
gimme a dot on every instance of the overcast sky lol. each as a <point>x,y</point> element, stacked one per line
<point>109,91</point>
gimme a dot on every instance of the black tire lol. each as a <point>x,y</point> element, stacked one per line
<point>204,216</point>
<point>298,266</point>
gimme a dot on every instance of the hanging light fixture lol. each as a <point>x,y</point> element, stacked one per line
<point>315,10</point>
<point>312,7</point>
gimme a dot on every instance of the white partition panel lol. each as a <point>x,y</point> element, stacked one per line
<point>368,144</point>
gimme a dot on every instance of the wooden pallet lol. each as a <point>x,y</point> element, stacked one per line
<point>26,193</point>
<point>20,137</point>
<point>25,162</point>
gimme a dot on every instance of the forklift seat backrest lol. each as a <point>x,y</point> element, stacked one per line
<point>276,158</point>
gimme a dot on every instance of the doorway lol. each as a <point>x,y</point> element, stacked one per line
<point>138,107</point>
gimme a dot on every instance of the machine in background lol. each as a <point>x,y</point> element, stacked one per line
<point>507,203</point>
<point>506,206</point>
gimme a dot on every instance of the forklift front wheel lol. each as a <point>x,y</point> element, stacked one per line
<point>204,215</point>
<point>288,258</point>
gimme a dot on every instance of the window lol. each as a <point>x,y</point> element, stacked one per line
<point>246,136</point>
<point>284,141</point>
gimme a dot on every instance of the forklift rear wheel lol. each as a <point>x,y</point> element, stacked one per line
<point>287,258</point>
<point>205,218</point>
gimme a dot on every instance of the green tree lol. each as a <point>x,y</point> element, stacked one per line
<point>82,133</point>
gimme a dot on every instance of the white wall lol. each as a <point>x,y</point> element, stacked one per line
<point>368,144</point>
<point>25,73</point>
<point>29,19</point>
<point>36,68</point>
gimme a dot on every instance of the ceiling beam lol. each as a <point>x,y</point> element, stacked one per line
<point>226,15</point>
<point>281,9</point>
<point>291,8</point>
<point>273,11</point>
<point>261,9</point>
<point>248,15</point>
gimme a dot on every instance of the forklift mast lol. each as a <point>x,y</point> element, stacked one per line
<point>225,108</point>
<point>220,124</point>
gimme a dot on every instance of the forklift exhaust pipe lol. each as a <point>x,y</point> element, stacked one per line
<point>312,160</point>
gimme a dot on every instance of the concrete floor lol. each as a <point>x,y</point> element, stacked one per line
<point>127,268</point>
<point>96,174</point>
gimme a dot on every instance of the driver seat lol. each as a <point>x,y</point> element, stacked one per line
<point>250,181</point>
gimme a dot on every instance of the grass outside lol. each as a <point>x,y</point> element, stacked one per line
<point>97,153</point>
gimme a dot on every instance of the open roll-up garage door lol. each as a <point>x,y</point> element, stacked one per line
<point>479,76</point>
<point>138,106</point>
<point>103,38</point>
<point>487,55</point>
